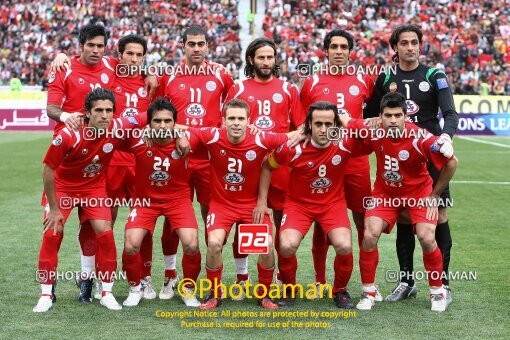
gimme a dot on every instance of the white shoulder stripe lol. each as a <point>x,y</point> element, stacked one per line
<point>68,71</point>
<point>172,77</point>
<point>107,64</point>
<point>299,151</point>
<point>315,82</point>
<point>66,130</point>
<point>415,144</point>
<point>360,78</point>
<point>286,88</point>
<point>215,138</point>
<point>241,89</point>
<point>140,142</point>
<point>78,138</point>
<point>342,147</point>
<point>258,141</point>
<point>217,74</point>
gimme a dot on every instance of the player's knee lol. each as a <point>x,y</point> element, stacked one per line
<point>287,247</point>
<point>369,239</point>
<point>427,239</point>
<point>190,246</point>
<point>214,245</point>
<point>131,248</point>
<point>343,247</point>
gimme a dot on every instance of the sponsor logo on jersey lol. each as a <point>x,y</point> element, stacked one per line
<point>277,98</point>
<point>142,93</point>
<point>223,152</point>
<point>424,86</point>
<point>104,78</point>
<point>84,151</point>
<point>251,98</point>
<point>149,153</point>
<point>234,178</point>
<point>326,90</point>
<point>210,85</point>
<point>321,183</point>
<point>159,176</point>
<point>182,87</point>
<point>392,176</point>
<point>81,81</point>
<point>403,155</point>
<point>336,159</point>
<point>354,90</point>
<point>94,167</point>
<point>176,154</point>
<point>57,141</point>
<point>107,148</point>
<point>393,87</point>
<point>129,112</point>
<point>251,155</point>
<point>412,107</point>
<point>118,89</point>
<point>311,164</point>
<point>195,110</point>
<point>442,83</point>
<point>264,122</point>
<point>51,77</point>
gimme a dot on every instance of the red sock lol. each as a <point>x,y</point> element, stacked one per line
<point>433,263</point>
<point>287,266</point>
<point>242,277</point>
<point>169,240</point>
<point>48,257</point>
<point>361,232</point>
<point>214,275</point>
<point>368,261</point>
<point>319,253</point>
<point>343,270</point>
<point>265,276</point>
<point>191,265</point>
<point>131,264</point>
<point>171,273</point>
<point>87,239</point>
<point>146,256</point>
<point>106,256</point>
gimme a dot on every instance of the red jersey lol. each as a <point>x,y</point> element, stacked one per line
<point>349,93</point>
<point>317,173</point>
<point>80,163</point>
<point>235,168</point>
<point>161,173</point>
<point>69,89</point>
<point>130,99</point>
<point>402,163</point>
<point>274,105</point>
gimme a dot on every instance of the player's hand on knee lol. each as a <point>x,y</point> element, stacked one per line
<point>53,220</point>
<point>57,65</point>
<point>432,208</point>
<point>259,211</point>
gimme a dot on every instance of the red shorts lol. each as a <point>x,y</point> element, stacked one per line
<point>199,180</point>
<point>179,213</point>
<point>279,188</point>
<point>276,198</point>
<point>357,186</point>
<point>89,207</point>
<point>223,217</point>
<point>300,216</point>
<point>390,212</point>
<point>120,181</point>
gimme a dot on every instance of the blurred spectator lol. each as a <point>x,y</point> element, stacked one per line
<point>15,83</point>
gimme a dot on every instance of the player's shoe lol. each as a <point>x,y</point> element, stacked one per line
<point>448,295</point>
<point>44,304</point>
<point>108,300</point>
<point>402,292</point>
<point>98,290</point>
<point>189,299</point>
<point>267,303</point>
<point>133,298</point>
<point>210,303</point>
<point>438,302</point>
<point>378,296</point>
<point>85,290</point>
<point>147,289</point>
<point>321,290</point>
<point>239,293</point>
<point>167,291</point>
<point>343,300</point>
<point>366,302</point>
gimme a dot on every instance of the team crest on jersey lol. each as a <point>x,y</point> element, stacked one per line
<point>182,87</point>
<point>159,176</point>
<point>195,110</point>
<point>251,98</point>
<point>392,176</point>
<point>107,148</point>
<point>354,90</point>
<point>326,90</point>
<point>310,164</point>
<point>277,98</point>
<point>234,178</point>
<point>424,86</point>
<point>142,93</point>
<point>403,155</point>
<point>321,183</point>
<point>336,159</point>
<point>412,107</point>
<point>251,155</point>
<point>264,122</point>
<point>81,81</point>
<point>51,77</point>
<point>84,151</point>
<point>210,85</point>
<point>57,141</point>
<point>91,168</point>
<point>105,78</point>
<point>118,89</point>
<point>176,154</point>
<point>393,87</point>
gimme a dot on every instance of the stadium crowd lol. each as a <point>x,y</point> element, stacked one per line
<point>31,33</point>
<point>469,40</point>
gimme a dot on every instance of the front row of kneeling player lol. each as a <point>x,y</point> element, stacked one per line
<point>74,168</point>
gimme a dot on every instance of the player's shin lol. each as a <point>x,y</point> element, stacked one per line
<point>444,242</point>
<point>106,259</point>
<point>433,263</point>
<point>368,261</point>
<point>343,269</point>
<point>405,245</point>
<point>131,264</point>
<point>169,244</point>
<point>241,260</point>
<point>146,255</point>
<point>191,265</point>
<point>48,257</point>
<point>88,245</point>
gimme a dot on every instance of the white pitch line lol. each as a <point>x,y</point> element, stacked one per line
<point>480,182</point>
<point>484,141</point>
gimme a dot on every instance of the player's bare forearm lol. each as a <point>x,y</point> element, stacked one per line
<point>49,186</point>
<point>344,119</point>
<point>54,112</point>
<point>445,177</point>
<point>181,127</point>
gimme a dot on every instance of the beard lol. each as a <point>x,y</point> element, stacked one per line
<point>262,73</point>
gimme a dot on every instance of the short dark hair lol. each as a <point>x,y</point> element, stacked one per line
<point>338,33</point>
<point>395,36</point>
<point>132,39</point>
<point>193,30</point>
<point>98,94</point>
<point>249,69</point>
<point>320,106</point>
<point>392,100</point>
<point>161,104</point>
<point>90,31</point>
<point>236,103</point>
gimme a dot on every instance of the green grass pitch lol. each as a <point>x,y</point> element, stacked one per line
<point>479,223</point>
